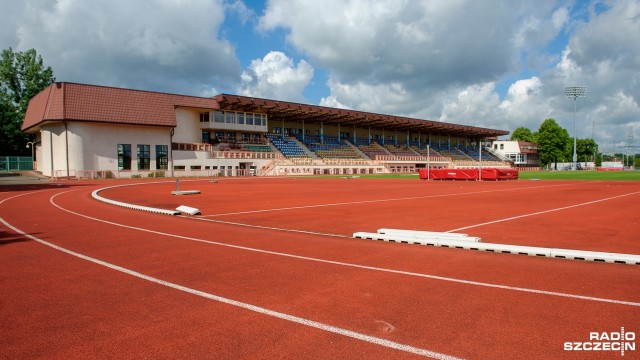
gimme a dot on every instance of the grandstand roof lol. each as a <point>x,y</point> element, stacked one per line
<point>91,103</point>
<point>289,111</point>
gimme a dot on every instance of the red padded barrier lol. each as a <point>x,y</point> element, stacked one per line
<point>469,174</point>
<point>454,174</point>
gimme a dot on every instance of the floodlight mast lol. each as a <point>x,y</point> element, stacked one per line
<point>574,92</point>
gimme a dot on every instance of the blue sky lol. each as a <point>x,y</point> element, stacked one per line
<point>490,63</point>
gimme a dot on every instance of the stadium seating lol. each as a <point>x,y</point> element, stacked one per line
<point>372,150</point>
<point>329,147</point>
<point>288,147</point>
<point>401,150</point>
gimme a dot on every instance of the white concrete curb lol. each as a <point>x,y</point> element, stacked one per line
<point>95,195</point>
<point>507,249</point>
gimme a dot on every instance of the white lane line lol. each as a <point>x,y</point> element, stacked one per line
<point>543,212</point>
<point>357,266</point>
<point>269,227</point>
<point>379,200</point>
<point>260,310</point>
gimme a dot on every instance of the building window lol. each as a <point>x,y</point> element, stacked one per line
<point>204,117</point>
<point>144,157</point>
<point>241,118</point>
<point>249,119</point>
<point>162,157</point>
<point>124,156</point>
<point>218,116</point>
<point>501,146</point>
<point>230,117</point>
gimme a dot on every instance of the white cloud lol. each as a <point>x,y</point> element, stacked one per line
<point>158,45</point>
<point>442,60</point>
<point>276,77</point>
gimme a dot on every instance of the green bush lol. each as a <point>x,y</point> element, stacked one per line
<point>157,174</point>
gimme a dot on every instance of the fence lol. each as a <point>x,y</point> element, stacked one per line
<point>15,163</point>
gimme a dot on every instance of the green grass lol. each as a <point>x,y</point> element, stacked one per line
<point>526,175</point>
<point>580,175</point>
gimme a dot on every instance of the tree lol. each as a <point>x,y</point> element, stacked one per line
<point>522,134</point>
<point>586,148</point>
<point>22,76</point>
<point>553,141</point>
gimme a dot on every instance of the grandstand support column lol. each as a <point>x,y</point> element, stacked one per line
<point>321,132</point>
<point>283,128</point>
<point>419,138</point>
<point>383,136</point>
<point>171,133</point>
<point>369,135</point>
<point>354,134</point>
<point>408,138</point>
<point>303,131</point>
<point>479,159</point>
<point>428,162</point>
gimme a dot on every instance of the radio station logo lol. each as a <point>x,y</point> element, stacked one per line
<point>622,341</point>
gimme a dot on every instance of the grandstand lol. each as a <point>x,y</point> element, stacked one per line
<point>129,132</point>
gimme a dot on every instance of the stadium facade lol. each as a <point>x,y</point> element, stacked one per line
<point>89,130</point>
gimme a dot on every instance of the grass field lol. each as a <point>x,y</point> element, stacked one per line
<point>538,175</point>
<point>580,175</point>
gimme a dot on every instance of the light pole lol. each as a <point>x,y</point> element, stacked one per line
<point>574,92</point>
<point>31,145</point>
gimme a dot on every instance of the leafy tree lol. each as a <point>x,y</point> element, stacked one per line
<point>22,76</point>
<point>553,141</point>
<point>586,148</point>
<point>522,134</point>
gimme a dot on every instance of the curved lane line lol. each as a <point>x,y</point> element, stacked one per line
<point>365,267</point>
<point>260,310</point>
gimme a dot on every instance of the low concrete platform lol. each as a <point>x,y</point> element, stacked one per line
<point>185,192</point>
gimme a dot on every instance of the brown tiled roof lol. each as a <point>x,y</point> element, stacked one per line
<point>79,102</point>
<point>294,112</point>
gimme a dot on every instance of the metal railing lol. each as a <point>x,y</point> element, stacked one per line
<point>15,163</point>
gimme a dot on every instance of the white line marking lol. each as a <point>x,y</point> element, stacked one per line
<point>543,212</point>
<point>260,310</point>
<point>269,227</point>
<point>357,266</point>
<point>378,200</point>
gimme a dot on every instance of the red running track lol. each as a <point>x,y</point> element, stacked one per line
<point>270,271</point>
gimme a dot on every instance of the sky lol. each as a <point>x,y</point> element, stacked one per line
<point>500,64</point>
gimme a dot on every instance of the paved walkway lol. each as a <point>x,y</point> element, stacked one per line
<point>21,178</point>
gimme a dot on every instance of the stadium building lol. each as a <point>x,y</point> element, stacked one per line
<point>97,131</point>
<point>522,154</point>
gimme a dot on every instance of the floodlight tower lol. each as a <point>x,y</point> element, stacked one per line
<point>574,92</point>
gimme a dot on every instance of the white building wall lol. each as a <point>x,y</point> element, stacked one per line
<point>93,146</point>
<point>101,143</point>
<point>53,149</point>
<point>506,147</point>
<point>187,126</point>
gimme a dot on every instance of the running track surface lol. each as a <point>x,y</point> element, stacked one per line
<point>269,270</point>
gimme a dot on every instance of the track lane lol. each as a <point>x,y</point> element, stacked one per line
<point>387,306</point>
<point>343,250</point>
